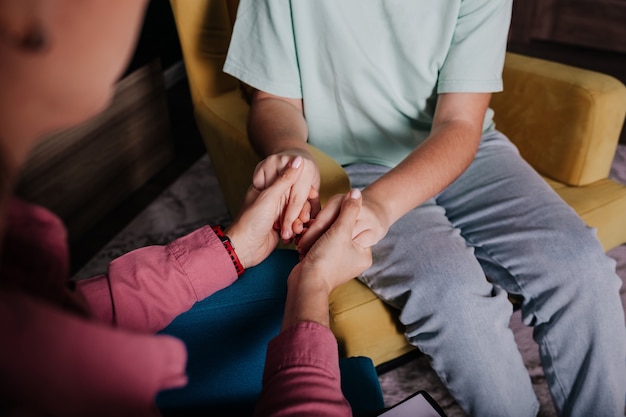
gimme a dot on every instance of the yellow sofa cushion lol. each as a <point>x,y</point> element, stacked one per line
<point>601,205</point>
<point>565,120</point>
<point>364,325</point>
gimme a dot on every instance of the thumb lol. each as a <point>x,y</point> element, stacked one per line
<point>350,208</point>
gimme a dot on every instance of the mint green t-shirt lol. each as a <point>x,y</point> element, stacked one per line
<point>369,71</point>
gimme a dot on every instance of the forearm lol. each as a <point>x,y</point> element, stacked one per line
<point>307,299</point>
<point>276,125</point>
<point>147,288</point>
<point>301,375</point>
<point>426,171</point>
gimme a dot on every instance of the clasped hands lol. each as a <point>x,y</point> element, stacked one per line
<point>274,208</point>
<point>301,219</point>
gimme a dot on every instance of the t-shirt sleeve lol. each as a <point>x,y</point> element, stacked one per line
<point>262,50</point>
<point>476,56</point>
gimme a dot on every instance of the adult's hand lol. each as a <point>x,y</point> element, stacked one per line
<point>336,256</point>
<point>334,259</point>
<point>252,233</point>
<point>303,200</point>
<point>369,228</point>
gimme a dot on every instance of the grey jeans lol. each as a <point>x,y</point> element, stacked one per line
<point>499,229</point>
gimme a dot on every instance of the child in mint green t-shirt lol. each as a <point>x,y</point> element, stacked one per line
<point>397,91</point>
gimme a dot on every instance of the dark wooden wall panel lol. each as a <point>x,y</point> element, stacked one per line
<point>82,173</point>
<point>589,34</point>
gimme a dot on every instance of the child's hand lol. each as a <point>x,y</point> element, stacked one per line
<point>301,200</point>
<point>371,226</point>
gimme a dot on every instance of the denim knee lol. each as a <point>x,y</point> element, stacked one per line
<point>472,349</point>
<point>582,278</point>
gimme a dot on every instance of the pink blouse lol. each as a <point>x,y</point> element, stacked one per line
<point>92,350</point>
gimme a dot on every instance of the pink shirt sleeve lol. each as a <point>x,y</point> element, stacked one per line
<point>147,288</point>
<point>60,364</point>
<point>53,361</point>
<point>302,375</point>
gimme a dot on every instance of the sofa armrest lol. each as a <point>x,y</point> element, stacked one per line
<point>222,123</point>
<point>204,28</point>
<point>566,121</point>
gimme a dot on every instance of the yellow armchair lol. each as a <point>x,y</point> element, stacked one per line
<point>565,121</point>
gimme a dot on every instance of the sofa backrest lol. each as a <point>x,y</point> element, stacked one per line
<point>197,21</point>
<point>565,120</point>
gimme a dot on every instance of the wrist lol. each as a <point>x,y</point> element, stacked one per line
<point>238,238</point>
<point>377,206</point>
<point>306,279</point>
<point>307,299</point>
<point>230,249</point>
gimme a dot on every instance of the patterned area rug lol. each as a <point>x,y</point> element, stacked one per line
<point>195,199</point>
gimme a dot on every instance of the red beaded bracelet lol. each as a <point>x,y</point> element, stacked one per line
<point>219,231</point>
